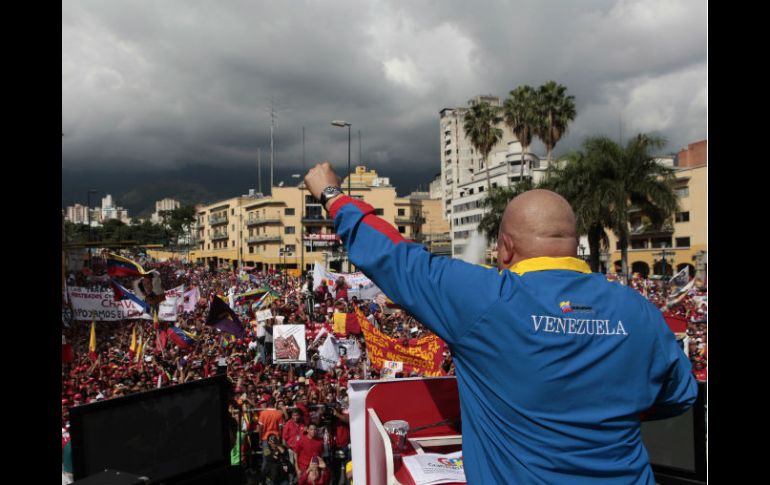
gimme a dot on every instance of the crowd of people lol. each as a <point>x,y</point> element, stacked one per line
<point>290,421</point>
<point>690,304</point>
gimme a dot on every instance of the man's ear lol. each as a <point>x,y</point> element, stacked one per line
<point>505,251</point>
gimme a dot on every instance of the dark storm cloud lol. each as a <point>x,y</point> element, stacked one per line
<point>162,85</point>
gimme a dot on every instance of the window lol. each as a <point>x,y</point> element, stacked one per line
<point>233,227</point>
<point>289,211</point>
<point>470,191</point>
<point>683,242</point>
<point>402,212</point>
<point>209,245</point>
<point>289,230</point>
<point>290,248</point>
<point>639,244</point>
<point>682,192</point>
<point>682,217</point>
<point>659,242</point>
<point>251,249</point>
<point>232,212</point>
<point>494,185</point>
<point>402,229</point>
<point>481,189</point>
<point>379,212</point>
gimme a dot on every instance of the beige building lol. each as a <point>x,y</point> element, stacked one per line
<point>683,241</point>
<point>290,229</point>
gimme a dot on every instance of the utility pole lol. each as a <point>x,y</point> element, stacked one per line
<point>272,128</point>
<point>259,172</point>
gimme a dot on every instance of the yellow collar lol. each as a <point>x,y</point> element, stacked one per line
<point>546,263</point>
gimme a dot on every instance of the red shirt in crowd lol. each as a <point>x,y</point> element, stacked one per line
<point>343,435</point>
<point>292,434</point>
<point>307,449</point>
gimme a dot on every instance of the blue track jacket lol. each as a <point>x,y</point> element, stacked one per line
<point>554,364</point>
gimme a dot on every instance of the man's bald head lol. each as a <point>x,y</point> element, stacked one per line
<point>536,223</point>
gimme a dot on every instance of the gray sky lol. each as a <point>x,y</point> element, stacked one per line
<point>150,85</point>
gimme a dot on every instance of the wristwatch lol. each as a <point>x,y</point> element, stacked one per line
<point>328,193</point>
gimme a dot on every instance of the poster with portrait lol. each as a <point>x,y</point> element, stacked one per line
<point>289,346</point>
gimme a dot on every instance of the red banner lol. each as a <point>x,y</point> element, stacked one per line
<point>424,357</point>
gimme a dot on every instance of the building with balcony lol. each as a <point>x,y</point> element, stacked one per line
<point>682,240</point>
<point>290,229</point>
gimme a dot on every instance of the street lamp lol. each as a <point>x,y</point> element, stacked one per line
<point>88,216</point>
<point>301,223</point>
<point>582,252</point>
<point>663,255</point>
<point>342,124</point>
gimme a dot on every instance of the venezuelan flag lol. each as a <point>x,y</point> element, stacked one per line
<point>120,266</point>
<point>180,337</point>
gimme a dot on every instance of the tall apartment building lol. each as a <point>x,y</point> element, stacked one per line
<point>464,173</point>
<point>166,204</point>
<point>76,214</point>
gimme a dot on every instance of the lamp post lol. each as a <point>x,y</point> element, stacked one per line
<point>342,124</point>
<point>663,255</point>
<point>582,252</point>
<point>88,216</point>
<point>301,222</point>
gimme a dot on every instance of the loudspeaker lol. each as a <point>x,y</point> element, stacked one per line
<point>112,477</point>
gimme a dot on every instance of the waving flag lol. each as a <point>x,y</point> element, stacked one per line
<point>122,293</point>
<point>224,318</point>
<point>132,347</point>
<point>92,342</point>
<point>120,266</point>
<point>180,337</point>
<point>267,299</point>
<point>681,278</point>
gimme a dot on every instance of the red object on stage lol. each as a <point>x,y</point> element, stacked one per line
<point>420,402</point>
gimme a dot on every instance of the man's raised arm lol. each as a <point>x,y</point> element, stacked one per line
<point>445,294</point>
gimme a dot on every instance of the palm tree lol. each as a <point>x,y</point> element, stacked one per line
<point>496,202</point>
<point>641,183</point>
<point>481,129</point>
<point>520,113</point>
<point>605,181</point>
<point>556,111</point>
<point>582,181</point>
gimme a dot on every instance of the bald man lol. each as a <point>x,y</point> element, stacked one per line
<point>555,365</point>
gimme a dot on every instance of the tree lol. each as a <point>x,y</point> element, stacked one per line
<point>641,183</point>
<point>481,129</point>
<point>178,221</point>
<point>520,114</point>
<point>605,181</point>
<point>581,180</point>
<point>555,111</point>
<point>495,202</point>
